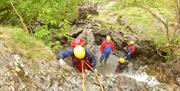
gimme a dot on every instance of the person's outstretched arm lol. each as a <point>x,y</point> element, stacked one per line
<point>65,53</point>
<point>113,47</point>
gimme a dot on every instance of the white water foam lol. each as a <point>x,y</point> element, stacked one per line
<point>140,76</point>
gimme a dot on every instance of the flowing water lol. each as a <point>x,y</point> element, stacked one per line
<point>139,75</point>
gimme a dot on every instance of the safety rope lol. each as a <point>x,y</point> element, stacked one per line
<point>83,81</point>
<point>96,73</point>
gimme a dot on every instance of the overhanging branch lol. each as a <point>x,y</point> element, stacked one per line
<point>165,23</point>
<point>21,19</point>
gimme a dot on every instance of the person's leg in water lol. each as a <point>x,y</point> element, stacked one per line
<point>106,57</point>
<point>102,58</point>
<point>107,52</point>
<point>121,67</point>
<point>128,54</point>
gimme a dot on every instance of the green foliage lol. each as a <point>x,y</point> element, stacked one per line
<point>141,16</point>
<point>3,3</point>
<point>161,40</point>
<point>56,16</point>
<point>177,39</point>
<point>41,32</point>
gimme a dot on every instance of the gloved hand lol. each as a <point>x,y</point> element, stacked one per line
<point>61,61</point>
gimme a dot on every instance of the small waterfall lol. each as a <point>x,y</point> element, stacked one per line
<point>141,76</point>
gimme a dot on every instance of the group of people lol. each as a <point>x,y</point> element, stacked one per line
<point>81,54</point>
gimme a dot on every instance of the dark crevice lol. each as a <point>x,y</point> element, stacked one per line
<point>75,35</point>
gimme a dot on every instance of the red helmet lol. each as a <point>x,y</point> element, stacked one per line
<point>77,42</point>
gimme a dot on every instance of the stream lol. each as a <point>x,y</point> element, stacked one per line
<point>139,75</point>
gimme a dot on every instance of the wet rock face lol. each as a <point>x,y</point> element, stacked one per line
<point>173,68</point>
<point>167,72</point>
<point>127,84</point>
<point>18,75</point>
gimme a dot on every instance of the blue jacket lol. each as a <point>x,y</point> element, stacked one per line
<point>69,52</point>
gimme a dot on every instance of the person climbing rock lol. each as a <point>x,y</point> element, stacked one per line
<point>121,65</point>
<point>78,54</point>
<point>130,49</point>
<point>107,46</point>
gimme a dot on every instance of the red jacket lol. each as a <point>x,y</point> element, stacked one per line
<point>104,44</point>
<point>77,42</point>
<point>131,47</point>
